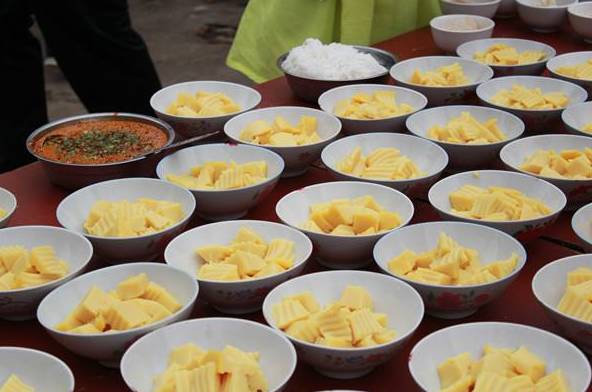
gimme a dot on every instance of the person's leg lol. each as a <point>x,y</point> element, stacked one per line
<point>23,105</point>
<point>102,56</point>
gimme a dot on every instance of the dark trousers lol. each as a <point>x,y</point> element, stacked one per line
<point>103,58</point>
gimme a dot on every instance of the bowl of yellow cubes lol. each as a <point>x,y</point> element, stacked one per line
<point>210,354</point>
<point>344,219</point>
<point>99,314</point>
<point>199,107</point>
<point>444,80</point>
<point>297,134</point>
<point>406,163</point>
<point>564,289</point>
<point>366,108</point>
<point>581,225</point>
<point>515,203</point>
<point>26,370</point>
<point>509,56</point>
<point>8,205</point>
<point>498,356</point>
<point>34,260</point>
<point>345,323</point>
<point>563,160</point>
<point>472,136</point>
<point>577,118</point>
<point>537,100</point>
<point>129,219</point>
<point>575,67</point>
<point>238,262</point>
<point>226,180</point>
<point>456,267</point>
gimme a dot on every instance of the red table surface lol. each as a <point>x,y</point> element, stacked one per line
<point>37,201</point>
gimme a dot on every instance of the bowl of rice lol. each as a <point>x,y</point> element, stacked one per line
<point>313,68</point>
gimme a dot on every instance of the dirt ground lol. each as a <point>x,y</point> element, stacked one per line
<point>188,40</point>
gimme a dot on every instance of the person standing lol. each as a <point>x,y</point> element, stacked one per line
<point>101,55</point>
<point>269,28</point>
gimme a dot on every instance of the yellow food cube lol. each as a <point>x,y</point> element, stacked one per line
<point>453,369</point>
<point>14,384</point>
<point>356,297</point>
<point>528,363</point>
<point>132,287</point>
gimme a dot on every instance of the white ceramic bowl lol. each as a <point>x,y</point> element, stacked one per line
<point>476,74</point>
<point>581,224</point>
<point>337,251</point>
<point>8,203</point>
<point>580,18</point>
<point>246,97</point>
<point>507,9</point>
<point>536,119</point>
<point>107,348</point>
<point>219,204</point>
<point>330,98</point>
<point>463,156</point>
<point>557,352</point>
<point>148,357</point>
<point>76,250</point>
<point>429,157</point>
<point>524,230</point>
<point>448,38</point>
<point>397,299</point>
<point>243,296</point>
<point>468,50</point>
<point>571,59</point>
<point>578,192</point>
<point>486,8</point>
<point>38,369</point>
<point>73,210</point>
<point>543,19</point>
<point>444,301</point>
<point>298,158</point>
<point>548,286</point>
<point>576,117</point>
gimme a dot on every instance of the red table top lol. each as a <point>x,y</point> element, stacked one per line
<point>37,201</point>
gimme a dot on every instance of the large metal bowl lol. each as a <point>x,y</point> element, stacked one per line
<point>309,89</point>
<point>74,176</point>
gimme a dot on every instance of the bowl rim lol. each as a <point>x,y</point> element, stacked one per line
<point>72,274</point>
<point>582,138</point>
<point>251,90</point>
<point>537,277</point>
<point>237,140</point>
<point>438,171</point>
<point>548,49</point>
<point>288,344</point>
<point>244,222</point>
<point>375,87</point>
<point>580,211</point>
<point>360,48</point>
<point>453,59</point>
<point>566,77</point>
<point>404,198</point>
<point>13,208</point>
<point>343,350</point>
<point>540,331</point>
<point>544,7</point>
<point>576,87</point>
<point>183,221</point>
<point>472,5</point>
<point>502,113</point>
<point>140,329</point>
<point>267,180</point>
<point>490,23</point>
<point>570,109</point>
<point>521,262</point>
<point>51,357</point>
<point>490,222</point>
<point>574,6</point>
<point>101,116</point>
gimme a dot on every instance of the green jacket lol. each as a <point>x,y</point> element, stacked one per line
<point>269,28</point>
